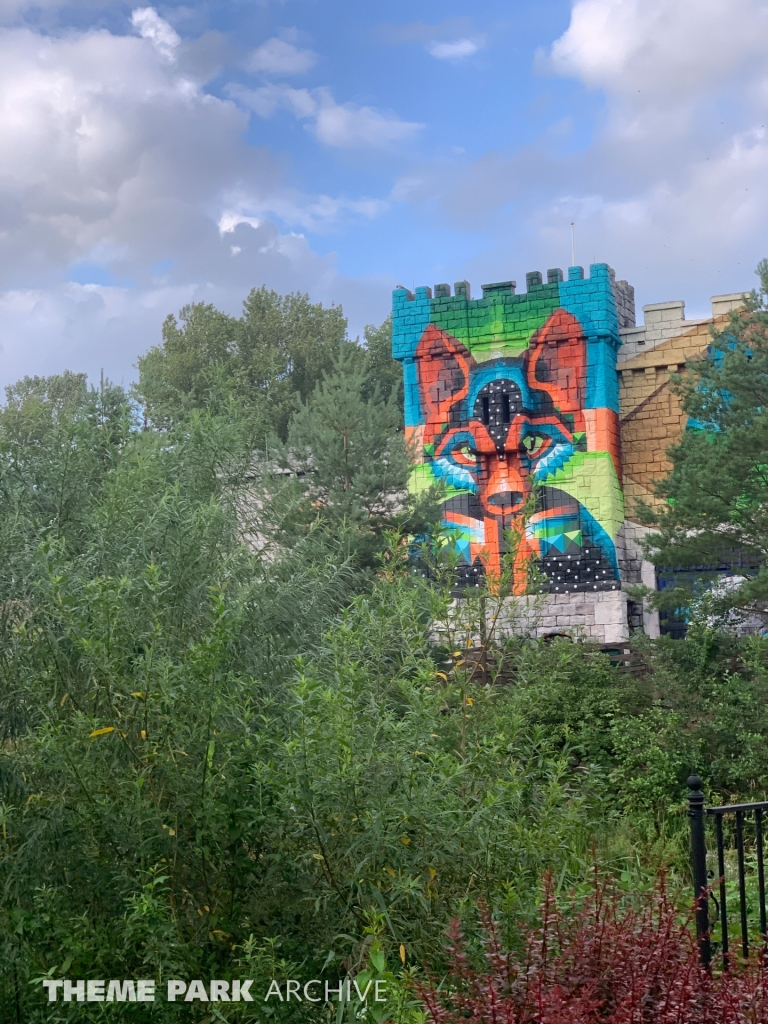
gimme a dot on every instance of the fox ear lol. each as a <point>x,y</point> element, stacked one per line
<point>557,358</point>
<point>443,367</point>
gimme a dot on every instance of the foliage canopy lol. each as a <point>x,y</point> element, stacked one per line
<point>241,738</point>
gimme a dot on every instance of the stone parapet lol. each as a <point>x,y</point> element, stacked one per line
<point>666,320</point>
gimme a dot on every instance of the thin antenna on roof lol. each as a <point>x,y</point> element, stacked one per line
<point>573,244</point>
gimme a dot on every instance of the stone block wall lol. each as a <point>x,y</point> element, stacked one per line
<point>650,415</point>
<point>625,304</point>
<point>601,616</point>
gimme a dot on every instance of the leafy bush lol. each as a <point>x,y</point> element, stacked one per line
<point>605,960</point>
<point>240,737</point>
<point>168,808</point>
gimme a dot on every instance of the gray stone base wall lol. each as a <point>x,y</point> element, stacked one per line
<point>636,570</point>
<point>601,616</point>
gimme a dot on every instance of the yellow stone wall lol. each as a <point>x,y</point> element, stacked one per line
<point>650,415</point>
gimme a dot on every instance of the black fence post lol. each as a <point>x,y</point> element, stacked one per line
<point>699,865</point>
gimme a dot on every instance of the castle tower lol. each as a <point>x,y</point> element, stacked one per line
<point>512,402</point>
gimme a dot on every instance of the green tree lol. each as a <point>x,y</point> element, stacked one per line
<point>268,360</point>
<point>198,352</point>
<point>58,441</point>
<point>383,372</point>
<point>59,394</point>
<point>715,510</point>
<point>350,451</point>
<point>178,802</point>
<point>285,345</point>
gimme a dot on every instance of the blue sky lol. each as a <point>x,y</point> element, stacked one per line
<point>160,155</point>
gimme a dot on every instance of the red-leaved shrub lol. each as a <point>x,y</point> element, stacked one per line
<point>602,962</point>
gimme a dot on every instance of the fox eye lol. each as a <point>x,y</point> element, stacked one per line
<point>533,443</point>
<point>465,454</point>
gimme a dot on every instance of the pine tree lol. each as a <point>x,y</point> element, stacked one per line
<point>352,453</point>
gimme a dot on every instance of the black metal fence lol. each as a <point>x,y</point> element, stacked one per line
<point>747,821</point>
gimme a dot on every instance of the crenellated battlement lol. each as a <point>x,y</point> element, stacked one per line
<point>533,282</point>
<point>501,321</point>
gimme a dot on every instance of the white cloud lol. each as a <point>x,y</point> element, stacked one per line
<point>658,44</point>
<point>268,99</point>
<point>280,57</point>
<point>154,28</point>
<point>658,60</point>
<point>681,78</point>
<point>116,163</point>
<point>350,127</point>
<point>229,220</point>
<point>427,32</point>
<point>103,147</point>
<point>341,125</point>
<point>311,213</point>
<point>454,50</point>
<point>674,183</point>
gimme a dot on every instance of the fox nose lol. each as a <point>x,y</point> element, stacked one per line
<point>505,499</point>
<point>502,487</point>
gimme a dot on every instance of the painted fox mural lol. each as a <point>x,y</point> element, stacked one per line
<point>511,396</point>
